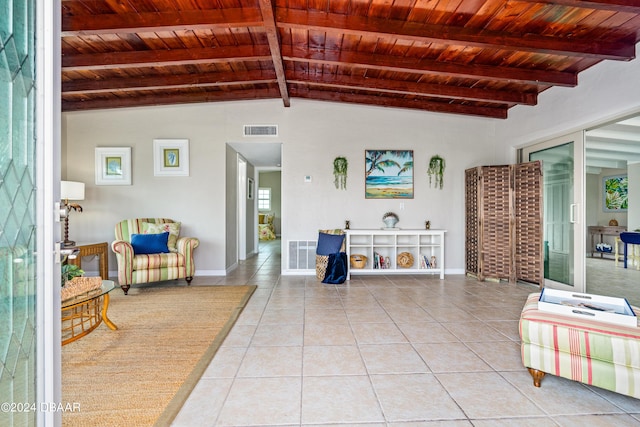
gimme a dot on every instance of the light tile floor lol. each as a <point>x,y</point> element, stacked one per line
<point>383,351</point>
<point>604,277</point>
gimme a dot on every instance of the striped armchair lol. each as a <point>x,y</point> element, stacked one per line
<point>155,267</point>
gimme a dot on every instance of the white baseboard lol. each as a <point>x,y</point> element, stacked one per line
<point>298,272</point>
<point>210,273</point>
<point>197,273</point>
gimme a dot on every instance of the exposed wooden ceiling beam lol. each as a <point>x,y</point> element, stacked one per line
<point>362,26</point>
<point>456,63</point>
<point>159,22</point>
<point>266,7</point>
<point>128,84</point>
<point>385,101</point>
<point>163,99</point>
<point>154,58</point>
<point>174,81</point>
<point>446,34</point>
<point>631,6</point>
<point>411,88</point>
<point>425,66</point>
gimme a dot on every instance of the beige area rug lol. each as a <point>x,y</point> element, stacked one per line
<point>141,374</point>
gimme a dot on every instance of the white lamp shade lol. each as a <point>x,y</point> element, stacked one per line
<point>71,190</point>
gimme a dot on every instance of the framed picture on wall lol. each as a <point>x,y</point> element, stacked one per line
<point>388,174</point>
<point>615,191</point>
<point>171,157</point>
<point>113,165</point>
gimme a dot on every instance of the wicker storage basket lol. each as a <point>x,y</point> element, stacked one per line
<point>78,286</point>
<point>405,260</point>
<point>358,261</point>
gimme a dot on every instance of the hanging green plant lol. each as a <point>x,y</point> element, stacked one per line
<point>340,165</point>
<point>436,169</point>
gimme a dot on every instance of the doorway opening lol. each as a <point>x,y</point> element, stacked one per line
<point>612,201</point>
<point>262,170</point>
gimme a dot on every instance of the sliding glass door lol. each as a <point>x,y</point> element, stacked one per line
<point>563,178</point>
<point>18,219</point>
<point>29,184</point>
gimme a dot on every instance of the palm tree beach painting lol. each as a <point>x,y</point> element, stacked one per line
<point>389,174</point>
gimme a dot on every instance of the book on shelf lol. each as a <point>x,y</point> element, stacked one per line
<point>379,261</point>
<point>424,262</point>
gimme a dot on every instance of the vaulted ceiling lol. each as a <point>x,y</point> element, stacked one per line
<point>471,57</point>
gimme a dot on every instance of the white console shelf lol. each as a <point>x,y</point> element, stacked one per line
<point>387,244</point>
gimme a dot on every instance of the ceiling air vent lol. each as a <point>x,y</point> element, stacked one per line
<point>260,130</point>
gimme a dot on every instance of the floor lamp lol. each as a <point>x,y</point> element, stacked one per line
<point>70,190</point>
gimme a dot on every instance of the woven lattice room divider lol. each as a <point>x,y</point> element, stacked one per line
<point>504,222</point>
<point>472,216</point>
<point>529,222</point>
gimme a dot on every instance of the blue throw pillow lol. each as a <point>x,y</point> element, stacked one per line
<point>150,243</point>
<point>329,243</point>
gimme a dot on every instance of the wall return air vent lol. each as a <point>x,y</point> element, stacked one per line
<point>260,130</point>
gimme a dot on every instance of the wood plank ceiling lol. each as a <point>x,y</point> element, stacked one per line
<point>472,57</point>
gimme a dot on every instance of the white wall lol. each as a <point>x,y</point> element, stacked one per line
<point>605,92</point>
<point>312,133</point>
<point>230,207</point>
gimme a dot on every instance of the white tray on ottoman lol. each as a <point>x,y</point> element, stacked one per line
<point>595,307</point>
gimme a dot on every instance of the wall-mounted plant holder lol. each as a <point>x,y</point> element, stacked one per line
<point>436,170</point>
<point>340,166</point>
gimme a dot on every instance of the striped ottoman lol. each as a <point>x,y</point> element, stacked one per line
<point>596,353</point>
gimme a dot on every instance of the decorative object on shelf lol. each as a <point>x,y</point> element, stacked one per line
<point>340,166</point>
<point>347,224</point>
<point>70,190</point>
<point>613,223</point>
<point>358,261</point>
<point>436,169</point>
<point>433,262</point>
<point>405,260</point>
<point>604,247</point>
<point>388,174</point>
<point>390,219</point>
<point>427,225</point>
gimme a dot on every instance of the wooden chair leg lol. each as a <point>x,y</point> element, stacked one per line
<point>189,279</point>
<point>537,376</point>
